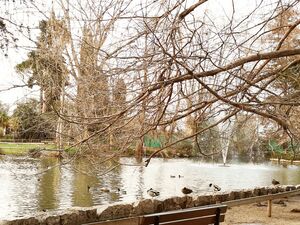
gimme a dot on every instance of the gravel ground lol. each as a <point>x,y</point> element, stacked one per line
<point>257,215</point>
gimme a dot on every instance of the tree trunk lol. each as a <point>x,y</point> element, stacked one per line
<point>139,149</point>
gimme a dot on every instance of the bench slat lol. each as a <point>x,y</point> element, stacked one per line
<point>126,221</point>
<point>183,214</point>
<point>193,221</point>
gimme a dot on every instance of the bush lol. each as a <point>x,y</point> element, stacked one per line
<point>184,149</point>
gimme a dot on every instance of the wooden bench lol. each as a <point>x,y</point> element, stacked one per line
<point>198,216</point>
<point>213,214</point>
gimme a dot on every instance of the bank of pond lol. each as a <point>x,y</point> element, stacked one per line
<point>34,184</point>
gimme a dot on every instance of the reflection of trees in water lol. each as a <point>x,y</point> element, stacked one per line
<point>140,183</point>
<point>49,184</point>
<point>111,180</point>
<point>82,179</point>
<point>91,173</point>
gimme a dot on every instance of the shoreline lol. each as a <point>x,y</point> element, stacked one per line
<point>79,215</point>
<point>284,160</point>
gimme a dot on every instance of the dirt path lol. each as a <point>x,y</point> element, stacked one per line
<point>257,215</point>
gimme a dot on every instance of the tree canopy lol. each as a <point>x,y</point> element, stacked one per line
<point>166,64</point>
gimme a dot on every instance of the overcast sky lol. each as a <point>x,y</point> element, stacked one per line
<point>8,76</point>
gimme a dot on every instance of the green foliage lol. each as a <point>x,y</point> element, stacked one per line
<point>32,124</point>
<point>184,149</point>
<point>46,64</point>
<point>153,142</point>
<point>275,147</point>
<point>285,150</point>
<point>4,118</point>
<point>209,140</point>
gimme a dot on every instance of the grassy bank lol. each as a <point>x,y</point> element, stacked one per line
<point>9,148</point>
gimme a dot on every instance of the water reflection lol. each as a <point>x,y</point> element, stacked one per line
<point>48,184</point>
<point>23,192</point>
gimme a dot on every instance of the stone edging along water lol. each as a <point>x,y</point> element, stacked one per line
<point>76,215</point>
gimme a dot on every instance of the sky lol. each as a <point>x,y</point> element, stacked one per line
<point>8,75</point>
<point>9,59</point>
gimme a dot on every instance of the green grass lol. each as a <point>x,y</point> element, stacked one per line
<point>71,151</point>
<point>22,148</point>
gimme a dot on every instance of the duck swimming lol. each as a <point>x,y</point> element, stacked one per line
<point>186,191</point>
<point>104,190</point>
<point>153,193</point>
<point>122,191</point>
<point>215,187</point>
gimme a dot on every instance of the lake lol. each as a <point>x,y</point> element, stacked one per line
<point>25,188</point>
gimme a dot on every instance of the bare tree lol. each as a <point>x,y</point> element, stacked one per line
<point>179,63</point>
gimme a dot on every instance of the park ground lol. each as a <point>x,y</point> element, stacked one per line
<point>257,215</point>
<point>12,148</point>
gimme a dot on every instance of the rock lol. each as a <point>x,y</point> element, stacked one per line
<point>269,190</point>
<point>263,191</point>
<point>203,200</point>
<point>280,202</point>
<point>189,202</point>
<point>256,192</point>
<point>118,211</point>
<point>234,195</point>
<point>290,188</point>
<point>221,197</point>
<point>174,203</point>
<point>69,218</point>
<point>280,189</point>
<point>52,220</point>
<point>146,206</point>
<point>259,204</point>
<point>22,221</point>
<point>295,210</point>
<point>91,215</point>
<point>248,193</point>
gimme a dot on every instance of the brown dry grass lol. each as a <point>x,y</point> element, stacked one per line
<point>253,215</point>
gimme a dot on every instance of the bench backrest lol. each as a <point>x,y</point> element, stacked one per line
<point>191,216</point>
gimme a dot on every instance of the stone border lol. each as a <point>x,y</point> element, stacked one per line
<point>77,215</point>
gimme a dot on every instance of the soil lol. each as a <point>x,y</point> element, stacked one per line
<point>254,214</point>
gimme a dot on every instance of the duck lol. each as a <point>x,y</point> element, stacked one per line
<point>122,191</point>
<point>88,187</point>
<point>215,187</point>
<point>180,176</point>
<point>186,191</point>
<point>153,193</point>
<point>275,182</point>
<point>172,176</point>
<point>104,190</point>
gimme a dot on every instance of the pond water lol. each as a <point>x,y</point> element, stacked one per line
<point>25,189</point>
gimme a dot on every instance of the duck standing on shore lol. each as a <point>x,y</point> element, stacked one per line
<point>186,191</point>
<point>153,193</point>
<point>275,182</point>
<point>215,187</point>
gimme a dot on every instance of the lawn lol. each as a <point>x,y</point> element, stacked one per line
<point>22,148</point>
